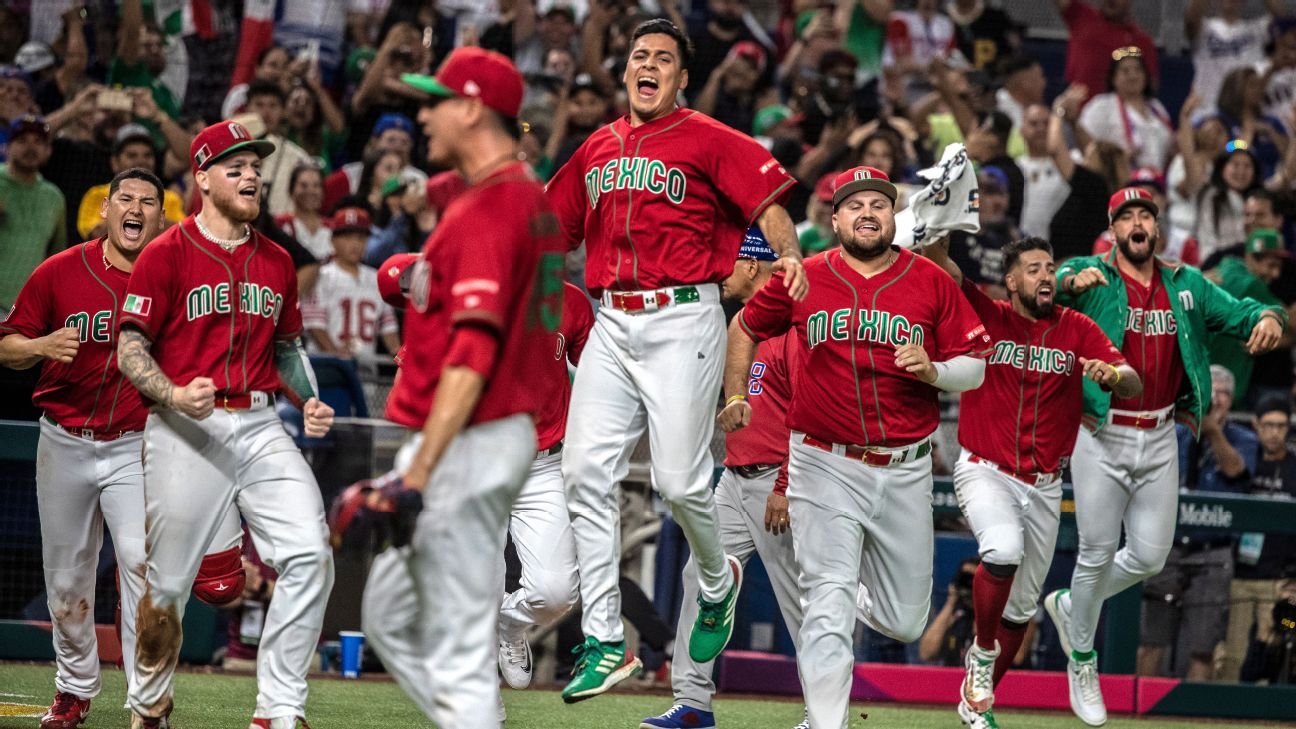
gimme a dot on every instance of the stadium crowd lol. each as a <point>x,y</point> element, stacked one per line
<point>89,90</point>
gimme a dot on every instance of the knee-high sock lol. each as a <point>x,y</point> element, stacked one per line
<point>989,596</point>
<point>1010,636</point>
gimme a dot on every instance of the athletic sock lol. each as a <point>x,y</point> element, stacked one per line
<point>1010,638</point>
<point>989,596</point>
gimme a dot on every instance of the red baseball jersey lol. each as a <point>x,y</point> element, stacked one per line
<point>769,392</point>
<point>1151,346</point>
<point>494,261</point>
<point>852,327</point>
<point>577,320</point>
<point>1034,385</point>
<point>77,288</point>
<point>664,203</point>
<point>212,312</point>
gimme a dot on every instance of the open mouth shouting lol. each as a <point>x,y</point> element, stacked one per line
<point>1139,236</point>
<point>132,230</point>
<point>869,226</point>
<point>647,86</point>
<point>1044,293</point>
<point>248,191</point>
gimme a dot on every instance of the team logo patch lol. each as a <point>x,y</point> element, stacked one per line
<point>202,155</point>
<point>139,305</point>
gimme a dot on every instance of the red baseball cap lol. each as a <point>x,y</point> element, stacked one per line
<point>860,179</point>
<point>393,278</point>
<point>824,187</point>
<point>350,219</point>
<point>470,71</point>
<point>223,139</point>
<point>1128,197</point>
<point>752,52</point>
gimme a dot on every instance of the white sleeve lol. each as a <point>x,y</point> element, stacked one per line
<point>960,374</point>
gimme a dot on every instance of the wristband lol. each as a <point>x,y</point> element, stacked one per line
<point>1115,371</point>
<point>735,398</point>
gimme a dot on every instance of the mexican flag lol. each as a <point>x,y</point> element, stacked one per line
<point>138,305</point>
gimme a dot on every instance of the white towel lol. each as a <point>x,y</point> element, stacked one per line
<point>949,202</point>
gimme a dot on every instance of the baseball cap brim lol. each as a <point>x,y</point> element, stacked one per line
<point>854,186</point>
<point>262,147</point>
<point>1151,206</point>
<point>428,85</point>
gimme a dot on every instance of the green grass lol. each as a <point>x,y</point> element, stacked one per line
<point>218,701</point>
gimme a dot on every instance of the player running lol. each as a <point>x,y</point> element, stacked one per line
<point>661,198</point>
<point>486,299</point>
<point>1008,479</point>
<point>1126,461</point>
<point>88,469</point>
<point>751,498</point>
<point>212,304</point>
<point>885,330</point>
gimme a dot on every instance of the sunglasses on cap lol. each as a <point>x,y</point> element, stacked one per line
<point>1237,145</point>
<point>1127,52</point>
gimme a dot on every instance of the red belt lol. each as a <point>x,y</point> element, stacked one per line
<point>254,400</point>
<point>874,456</point>
<point>1142,422</point>
<point>1032,478</point>
<point>89,434</point>
<point>635,302</point>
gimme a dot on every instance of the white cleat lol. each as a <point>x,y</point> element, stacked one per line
<point>515,662</point>
<point>805,723</point>
<point>978,681</point>
<point>975,720</point>
<point>1058,605</point>
<point>1086,693</point>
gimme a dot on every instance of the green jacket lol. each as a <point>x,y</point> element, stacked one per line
<point>1237,279</point>
<point>1200,308</point>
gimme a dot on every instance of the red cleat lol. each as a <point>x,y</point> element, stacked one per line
<point>67,712</point>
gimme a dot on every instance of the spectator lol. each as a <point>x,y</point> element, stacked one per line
<point>815,34</point>
<point>345,315</point>
<point>266,100</point>
<point>379,168</point>
<point>1129,114</point>
<point>306,222</point>
<point>15,100</point>
<point>863,27</point>
<point>727,23</point>
<point>1184,608</point>
<point>582,109</point>
<point>732,92</point>
<point>71,57</point>
<point>1045,189</point>
<point>1240,111</point>
<point>987,145</point>
<point>1271,375</point>
<point>816,233</point>
<point>1224,42</point>
<point>37,60</point>
<point>980,255</point>
<point>984,34</point>
<point>915,38</point>
<point>1220,221</point>
<point>949,634</point>
<point>381,91</point>
<point>833,98</point>
<point>133,148</point>
<point>1082,216</point>
<point>392,132</point>
<point>1023,85</point>
<point>1096,34</point>
<point>1279,73</point>
<point>32,222</point>
<point>1264,561</point>
<point>271,65</point>
<point>1250,275</point>
<point>140,59</point>
<point>313,122</point>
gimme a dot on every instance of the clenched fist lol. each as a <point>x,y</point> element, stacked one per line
<point>735,416</point>
<point>60,346</point>
<point>914,359</point>
<point>196,399</point>
<point>318,418</point>
<point>1085,280</point>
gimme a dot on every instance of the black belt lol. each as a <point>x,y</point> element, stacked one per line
<point>557,448</point>
<point>754,470</point>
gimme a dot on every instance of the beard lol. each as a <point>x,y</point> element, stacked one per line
<point>234,206</point>
<point>1032,304</point>
<point>867,249</point>
<point>1138,257</point>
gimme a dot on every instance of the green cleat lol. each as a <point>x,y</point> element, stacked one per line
<point>600,667</point>
<point>714,624</point>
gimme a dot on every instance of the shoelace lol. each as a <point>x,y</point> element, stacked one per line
<point>672,711</point>
<point>586,651</point>
<point>1087,675</point>
<point>982,675</point>
<point>63,703</point>
<point>515,651</point>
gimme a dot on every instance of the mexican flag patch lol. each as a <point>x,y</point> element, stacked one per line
<point>139,305</point>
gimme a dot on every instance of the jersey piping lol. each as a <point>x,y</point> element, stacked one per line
<point>873,376</point>
<point>859,397</point>
<point>112,353</point>
<point>630,196</point>
<point>230,273</point>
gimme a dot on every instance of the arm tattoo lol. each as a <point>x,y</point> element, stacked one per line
<point>138,365</point>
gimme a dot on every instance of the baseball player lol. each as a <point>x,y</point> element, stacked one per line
<point>485,302</point>
<point>661,198</point>
<point>1126,467</point>
<point>1008,479</point>
<point>209,332</point>
<point>885,330</point>
<point>751,498</point>
<point>88,469</point>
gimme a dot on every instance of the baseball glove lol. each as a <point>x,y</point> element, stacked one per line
<point>371,515</point>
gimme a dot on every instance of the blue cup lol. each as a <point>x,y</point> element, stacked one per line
<point>352,649</point>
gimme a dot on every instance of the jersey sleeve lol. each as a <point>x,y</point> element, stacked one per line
<point>746,173</point>
<point>768,313</point>
<point>578,319</point>
<point>33,311</point>
<point>1093,343</point>
<point>151,292</point>
<point>959,330</point>
<point>289,325</point>
<point>984,306</point>
<point>568,197</point>
<point>483,281</point>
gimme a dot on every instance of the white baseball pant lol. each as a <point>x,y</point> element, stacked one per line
<point>1122,475</point>
<point>1015,524</point>
<point>430,610</point>
<point>542,535</point>
<point>740,508</point>
<point>194,472</point>
<point>661,370</point>
<point>861,533</point>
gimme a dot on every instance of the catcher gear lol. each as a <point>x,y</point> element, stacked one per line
<point>220,578</point>
<point>374,514</point>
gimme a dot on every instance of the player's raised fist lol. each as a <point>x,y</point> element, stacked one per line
<point>794,278</point>
<point>61,346</point>
<point>1085,280</point>
<point>1265,335</point>
<point>913,358</point>
<point>318,418</point>
<point>735,416</point>
<point>196,399</point>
